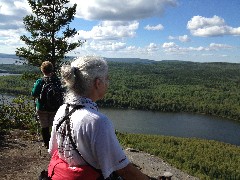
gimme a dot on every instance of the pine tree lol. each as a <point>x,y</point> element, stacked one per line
<point>50,31</point>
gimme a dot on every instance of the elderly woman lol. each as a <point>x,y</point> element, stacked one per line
<point>83,143</point>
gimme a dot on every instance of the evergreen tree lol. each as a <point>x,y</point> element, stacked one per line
<point>50,31</point>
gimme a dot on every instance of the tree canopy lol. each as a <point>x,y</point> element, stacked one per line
<point>49,28</point>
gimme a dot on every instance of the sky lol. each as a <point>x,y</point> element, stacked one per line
<point>187,30</point>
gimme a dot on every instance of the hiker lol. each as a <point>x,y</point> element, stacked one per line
<point>83,142</point>
<point>46,103</point>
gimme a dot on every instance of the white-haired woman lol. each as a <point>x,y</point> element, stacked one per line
<point>83,143</point>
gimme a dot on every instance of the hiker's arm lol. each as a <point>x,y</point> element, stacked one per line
<point>36,90</point>
<point>130,172</point>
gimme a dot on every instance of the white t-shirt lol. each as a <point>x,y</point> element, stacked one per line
<point>94,135</point>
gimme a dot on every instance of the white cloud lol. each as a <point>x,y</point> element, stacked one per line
<point>131,48</point>
<point>152,47</point>
<point>11,35</point>
<point>108,30</point>
<point>201,22</point>
<point>118,46</point>
<point>214,46</point>
<point>215,26</point>
<point>22,5</point>
<point>5,8</point>
<point>171,47</point>
<point>123,10</point>
<point>184,38</point>
<point>14,7</point>
<point>102,46</point>
<point>97,47</point>
<point>154,28</point>
<point>200,48</point>
<point>12,13</point>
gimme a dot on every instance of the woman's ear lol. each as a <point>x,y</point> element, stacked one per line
<point>97,83</point>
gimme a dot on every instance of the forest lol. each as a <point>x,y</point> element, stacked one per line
<point>167,86</point>
<point>173,86</point>
<point>176,86</point>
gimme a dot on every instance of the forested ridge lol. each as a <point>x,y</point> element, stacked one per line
<point>17,69</point>
<point>168,86</point>
<point>176,86</point>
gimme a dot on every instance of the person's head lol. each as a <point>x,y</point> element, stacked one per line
<point>86,76</point>
<point>47,67</point>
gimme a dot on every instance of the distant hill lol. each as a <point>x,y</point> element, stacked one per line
<point>130,60</point>
<point>125,60</point>
<point>122,60</point>
<point>13,56</point>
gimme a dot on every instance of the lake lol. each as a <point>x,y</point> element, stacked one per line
<point>171,124</point>
<point>8,61</point>
<point>175,124</point>
<point>8,74</point>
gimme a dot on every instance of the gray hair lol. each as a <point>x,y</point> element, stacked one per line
<point>79,77</point>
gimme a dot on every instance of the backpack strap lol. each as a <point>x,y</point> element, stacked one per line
<point>67,114</point>
<point>51,79</point>
<point>43,82</point>
<point>45,79</point>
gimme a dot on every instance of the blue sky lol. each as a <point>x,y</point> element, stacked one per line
<point>189,30</point>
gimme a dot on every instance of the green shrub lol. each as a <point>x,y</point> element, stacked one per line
<point>20,114</point>
<point>201,158</point>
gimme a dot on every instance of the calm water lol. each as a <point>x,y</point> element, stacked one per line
<point>8,74</point>
<point>175,124</point>
<point>7,60</point>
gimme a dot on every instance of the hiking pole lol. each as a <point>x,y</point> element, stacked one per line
<point>38,135</point>
<point>38,124</point>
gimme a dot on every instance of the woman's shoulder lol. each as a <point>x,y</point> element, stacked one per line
<point>60,112</point>
<point>99,115</point>
<point>92,116</point>
<point>101,119</point>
